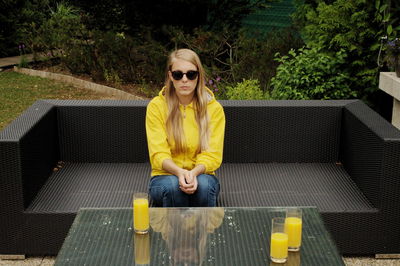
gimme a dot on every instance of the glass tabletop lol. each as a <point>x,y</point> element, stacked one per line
<point>191,236</point>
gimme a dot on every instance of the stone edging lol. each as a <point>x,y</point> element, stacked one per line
<point>112,92</point>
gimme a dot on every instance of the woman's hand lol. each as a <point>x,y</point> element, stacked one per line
<point>190,179</point>
<point>187,181</point>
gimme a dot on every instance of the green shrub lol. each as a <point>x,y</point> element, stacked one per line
<point>23,62</point>
<point>118,58</point>
<point>356,26</point>
<point>256,55</point>
<point>57,32</point>
<point>312,74</point>
<point>245,90</point>
<point>104,55</point>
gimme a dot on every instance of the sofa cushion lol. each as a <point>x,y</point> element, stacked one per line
<point>325,185</point>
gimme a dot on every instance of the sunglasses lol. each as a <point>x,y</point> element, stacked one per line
<point>178,75</point>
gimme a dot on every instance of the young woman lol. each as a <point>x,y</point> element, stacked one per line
<point>185,128</point>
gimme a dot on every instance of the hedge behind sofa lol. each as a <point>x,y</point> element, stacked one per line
<point>337,155</point>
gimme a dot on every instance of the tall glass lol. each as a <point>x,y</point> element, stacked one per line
<point>279,241</point>
<point>294,259</point>
<point>142,249</point>
<point>293,228</point>
<point>140,213</point>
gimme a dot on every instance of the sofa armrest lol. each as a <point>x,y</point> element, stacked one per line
<point>28,153</point>
<point>370,153</point>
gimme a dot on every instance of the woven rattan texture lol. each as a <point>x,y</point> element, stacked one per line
<point>26,121</point>
<point>363,149</point>
<point>23,167</point>
<point>326,186</point>
<point>370,152</point>
<point>39,153</point>
<point>345,210</point>
<point>44,233</point>
<point>99,185</point>
<point>11,202</point>
<point>390,196</point>
<point>282,134</point>
<point>102,134</point>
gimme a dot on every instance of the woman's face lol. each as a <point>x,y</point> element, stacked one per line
<point>184,88</point>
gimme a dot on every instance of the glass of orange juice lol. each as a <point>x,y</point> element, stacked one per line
<point>279,241</point>
<point>140,213</point>
<point>293,228</point>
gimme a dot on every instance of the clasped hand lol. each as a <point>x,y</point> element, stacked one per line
<point>187,181</point>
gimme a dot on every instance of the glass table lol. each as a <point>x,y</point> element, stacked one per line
<point>191,236</point>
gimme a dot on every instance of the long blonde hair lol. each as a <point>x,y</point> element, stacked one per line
<point>200,100</point>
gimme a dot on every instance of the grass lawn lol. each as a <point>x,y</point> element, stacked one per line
<point>19,91</point>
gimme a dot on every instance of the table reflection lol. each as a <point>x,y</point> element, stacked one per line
<point>142,249</point>
<point>185,231</point>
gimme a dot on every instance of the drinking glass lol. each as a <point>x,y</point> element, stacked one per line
<point>294,259</point>
<point>140,213</point>
<point>293,228</point>
<point>279,241</point>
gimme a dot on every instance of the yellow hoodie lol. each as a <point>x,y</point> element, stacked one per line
<point>160,149</point>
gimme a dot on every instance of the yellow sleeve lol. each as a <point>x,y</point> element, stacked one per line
<point>157,142</point>
<point>212,158</point>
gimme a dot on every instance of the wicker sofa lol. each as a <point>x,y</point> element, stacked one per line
<point>340,156</point>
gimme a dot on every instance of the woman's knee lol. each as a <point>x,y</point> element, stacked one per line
<point>165,191</point>
<point>207,191</point>
<point>162,186</point>
<point>208,183</point>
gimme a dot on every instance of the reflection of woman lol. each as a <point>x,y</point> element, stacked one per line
<point>185,231</point>
<point>185,132</point>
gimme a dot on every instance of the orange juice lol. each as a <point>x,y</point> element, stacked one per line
<point>293,227</point>
<point>141,215</point>
<point>142,249</point>
<point>279,246</point>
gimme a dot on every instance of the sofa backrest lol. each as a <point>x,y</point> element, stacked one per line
<point>256,131</point>
<point>282,131</point>
<point>102,131</point>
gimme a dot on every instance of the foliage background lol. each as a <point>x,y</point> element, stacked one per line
<point>355,27</point>
<point>337,46</point>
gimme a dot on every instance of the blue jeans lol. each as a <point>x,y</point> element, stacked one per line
<point>165,192</point>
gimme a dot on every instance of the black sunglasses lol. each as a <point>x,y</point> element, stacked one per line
<point>178,75</point>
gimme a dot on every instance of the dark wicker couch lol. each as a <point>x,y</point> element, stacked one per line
<point>340,156</point>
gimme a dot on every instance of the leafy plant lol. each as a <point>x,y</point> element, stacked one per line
<point>57,32</point>
<point>246,90</point>
<point>393,49</point>
<point>14,15</point>
<point>353,25</point>
<point>312,74</point>
<point>255,55</point>
<point>23,61</point>
<point>392,56</point>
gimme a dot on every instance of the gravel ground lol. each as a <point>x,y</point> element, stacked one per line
<point>370,261</point>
